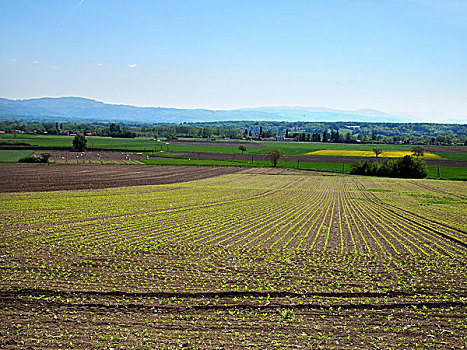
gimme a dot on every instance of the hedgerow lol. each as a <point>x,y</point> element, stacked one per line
<point>406,167</point>
<point>43,158</point>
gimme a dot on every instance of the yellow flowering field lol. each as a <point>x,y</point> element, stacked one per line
<point>353,153</point>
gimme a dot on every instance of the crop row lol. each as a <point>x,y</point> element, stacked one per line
<point>235,232</point>
<point>294,213</point>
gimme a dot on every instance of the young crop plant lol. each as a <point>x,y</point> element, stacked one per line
<point>267,259</point>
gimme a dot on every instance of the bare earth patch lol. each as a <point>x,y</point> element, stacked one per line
<point>94,157</point>
<point>217,143</point>
<point>56,177</point>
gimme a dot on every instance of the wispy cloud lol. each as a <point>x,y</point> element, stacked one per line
<point>133,65</point>
<point>80,3</point>
<point>35,62</point>
<point>13,60</point>
<point>99,64</point>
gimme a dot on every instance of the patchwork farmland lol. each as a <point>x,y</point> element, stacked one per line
<point>258,258</point>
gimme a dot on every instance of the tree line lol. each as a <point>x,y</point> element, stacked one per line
<point>338,132</point>
<point>348,132</point>
<point>118,130</point>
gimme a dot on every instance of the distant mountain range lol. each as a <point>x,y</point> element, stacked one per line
<point>66,108</point>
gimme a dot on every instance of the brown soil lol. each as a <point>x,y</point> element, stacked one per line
<point>85,320</point>
<point>94,157</point>
<point>55,177</point>
<point>172,298</point>
<point>447,149</point>
<point>102,283</point>
<point>218,143</point>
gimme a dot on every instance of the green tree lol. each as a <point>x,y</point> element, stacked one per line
<point>364,167</point>
<point>418,151</point>
<point>409,167</point>
<point>242,148</point>
<point>275,155</point>
<point>377,151</point>
<point>79,143</point>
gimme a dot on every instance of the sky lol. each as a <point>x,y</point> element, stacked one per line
<point>397,56</point>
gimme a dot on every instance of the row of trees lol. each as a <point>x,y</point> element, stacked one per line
<point>173,132</point>
<point>112,130</point>
<point>333,136</point>
<point>420,133</point>
<point>427,134</point>
<point>120,130</point>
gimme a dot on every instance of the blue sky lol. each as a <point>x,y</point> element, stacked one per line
<point>393,55</point>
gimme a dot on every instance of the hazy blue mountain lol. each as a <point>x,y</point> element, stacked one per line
<point>327,114</point>
<point>64,108</point>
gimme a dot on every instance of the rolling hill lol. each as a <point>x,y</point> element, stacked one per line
<point>66,108</point>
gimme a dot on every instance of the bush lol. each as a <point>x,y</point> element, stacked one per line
<point>364,168</point>
<point>406,167</point>
<point>43,158</point>
<point>386,168</point>
<point>411,168</point>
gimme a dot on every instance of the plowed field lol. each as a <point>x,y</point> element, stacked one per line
<point>35,177</point>
<point>254,259</point>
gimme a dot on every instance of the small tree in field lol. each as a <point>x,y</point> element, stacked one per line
<point>275,155</point>
<point>377,151</point>
<point>242,148</point>
<point>418,151</point>
<point>79,143</point>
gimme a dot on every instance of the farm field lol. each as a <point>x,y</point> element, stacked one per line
<point>328,164</point>
<point>55,177</point>
<point>12,156</point>
<point>302,148</point>
<point>335,165</point>
<point>229,147</point>
<point>94,157</point>
<point>447,172</point>
<point>93,142</point>
<point>451,161</point>
<point>369,154</point>
<point>258,258</point>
